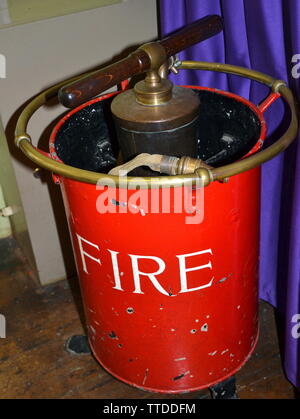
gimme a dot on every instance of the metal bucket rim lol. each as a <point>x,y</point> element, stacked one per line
<point>246,102</point>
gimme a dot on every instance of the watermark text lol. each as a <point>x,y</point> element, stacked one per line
<point>145,198</point>
<point>295,331</point>
<point>296,67</point>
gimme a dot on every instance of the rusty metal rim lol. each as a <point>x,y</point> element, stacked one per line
<point>23,140</point>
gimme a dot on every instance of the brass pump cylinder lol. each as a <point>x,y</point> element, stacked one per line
<point>168,128</point>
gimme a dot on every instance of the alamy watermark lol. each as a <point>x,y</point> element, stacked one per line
<point>295,331</point>
<point>2,66</point>
<point>296,67</point>
<point>142,197</point>
<point>2,327</point>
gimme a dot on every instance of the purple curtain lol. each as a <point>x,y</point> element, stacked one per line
<point>263,35</point>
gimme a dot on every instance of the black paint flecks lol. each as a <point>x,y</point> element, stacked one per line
<point>130,310</point>
<point>178,377</point>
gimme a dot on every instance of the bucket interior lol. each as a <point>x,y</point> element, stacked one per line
<point>228,129</point>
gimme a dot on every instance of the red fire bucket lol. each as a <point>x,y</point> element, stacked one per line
<point>170,296</point>
<point>168,265</point>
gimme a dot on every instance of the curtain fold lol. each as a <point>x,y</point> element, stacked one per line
<point>263,35</point>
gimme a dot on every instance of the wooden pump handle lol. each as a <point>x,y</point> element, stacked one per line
<point>198,31</point>
<point>147,57</point>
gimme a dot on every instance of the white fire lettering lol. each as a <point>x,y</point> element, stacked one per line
<point>138,273</point>
<point>83,253</point>
<point>151,276</point>
<point>115,265</point>
<point>183,270</point>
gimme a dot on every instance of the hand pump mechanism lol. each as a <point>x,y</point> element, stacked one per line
<point>155,116</point>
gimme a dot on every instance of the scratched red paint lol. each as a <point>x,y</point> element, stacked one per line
<point>170,335</point>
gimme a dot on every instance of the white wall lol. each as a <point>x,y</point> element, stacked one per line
<point>38,55</point>
<point>5,228</point>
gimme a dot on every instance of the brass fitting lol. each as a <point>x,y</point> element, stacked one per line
<point>168,165</point>
<point>156,53</point>
<point>154,90</point>
<point>188,165</point>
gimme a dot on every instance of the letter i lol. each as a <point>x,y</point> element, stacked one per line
<point>115,265</point>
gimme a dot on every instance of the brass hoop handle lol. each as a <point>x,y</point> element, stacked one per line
<point>23,141</point>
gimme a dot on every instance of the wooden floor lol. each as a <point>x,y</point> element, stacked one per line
<point>34,363</point>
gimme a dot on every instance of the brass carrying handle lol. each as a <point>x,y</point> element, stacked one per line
<point>147,57</point>
<point>23,140</point>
